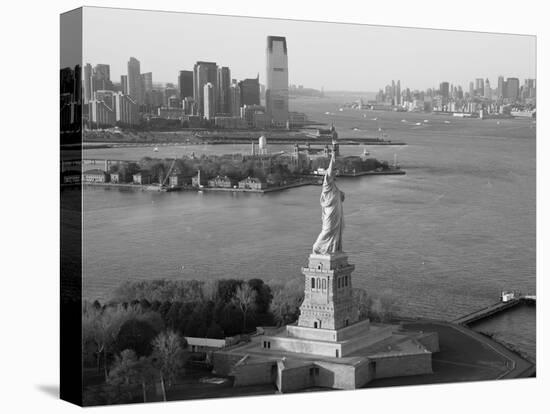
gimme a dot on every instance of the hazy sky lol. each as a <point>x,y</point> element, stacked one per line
<point>336,56</point>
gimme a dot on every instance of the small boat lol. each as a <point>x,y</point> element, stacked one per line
<point>341,109</point>
<point>418,123</point>
<point>156,149</point>
<point>447,122</point>
<point>426,121</point>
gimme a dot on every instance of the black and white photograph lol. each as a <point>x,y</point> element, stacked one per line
<point>284,207</point>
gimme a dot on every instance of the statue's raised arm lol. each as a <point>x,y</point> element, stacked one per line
<point>330,238</point>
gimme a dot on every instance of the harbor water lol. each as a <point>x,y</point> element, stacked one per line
<point>442,240</point>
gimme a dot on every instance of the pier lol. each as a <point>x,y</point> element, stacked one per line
<point>493,309</point>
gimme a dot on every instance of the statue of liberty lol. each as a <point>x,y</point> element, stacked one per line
<point>332,214</point>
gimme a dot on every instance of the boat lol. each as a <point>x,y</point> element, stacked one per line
<point>156,149</point>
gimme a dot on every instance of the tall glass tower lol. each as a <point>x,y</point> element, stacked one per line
<point>276,96</point>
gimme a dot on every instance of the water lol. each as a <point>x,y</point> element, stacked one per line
<point>443,240</point>
<point>516,326</point>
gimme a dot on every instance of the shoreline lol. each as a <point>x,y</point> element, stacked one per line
<point>314,180</point>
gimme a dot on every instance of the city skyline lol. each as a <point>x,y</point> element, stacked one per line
<point>391,49</point>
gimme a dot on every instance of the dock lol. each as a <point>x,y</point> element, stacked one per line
<point>493,309</point>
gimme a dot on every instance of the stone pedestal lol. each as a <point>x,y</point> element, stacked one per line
<point>328,294</point>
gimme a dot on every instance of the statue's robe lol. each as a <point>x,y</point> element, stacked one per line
<point>332,213</point>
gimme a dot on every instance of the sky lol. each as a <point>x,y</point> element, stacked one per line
<point>335,56</point>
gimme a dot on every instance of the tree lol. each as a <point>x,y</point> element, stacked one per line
<point>168,357</point>
<point>124,371</point>
<point>136,335</point>
<point>102,326</point>
<point>285,305</point>
<point>215,331</point>
<point>245,298</point>
<point>263,294</point>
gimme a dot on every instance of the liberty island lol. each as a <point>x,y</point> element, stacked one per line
<point>329,346</point>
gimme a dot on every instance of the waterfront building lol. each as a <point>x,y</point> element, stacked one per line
<point>252,183</point>
<point>143,177</point>
<point>95,176</point>
<point>134,81</point>
<point>250,91</point>
<point>471,89</point>
<point>120,177</point>
<point>126,110</point>
<point>199,180</point>
<point>221,182</point>
<point>223,96</point>
<point>185,84</point>
<point>177,179</point>
<point>235,99</point>
<point>277,81</point>
<point>71,177</point>
<point>209,109</point>
<point>203,73</point>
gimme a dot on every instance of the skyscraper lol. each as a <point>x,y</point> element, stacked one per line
<point>147,87</point>
<point>512,89</point>
<point>398,93</point>
<point>250,91</point>
<point>277,81</point>
<point>203,73</point>
<point>101,78</point>
<point>87,82</point>
<point>223,97</point>
<point>235,99</point>
<point>209,100</point>
<point>487,90</point>
<point>471,90</point>
<point>124,84</point>
<point>185,84</point>
<point>501,88</point>
<point>126,110</point>
<point>479,87</point>
<point>134,81</point>
<point>444,89</point>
